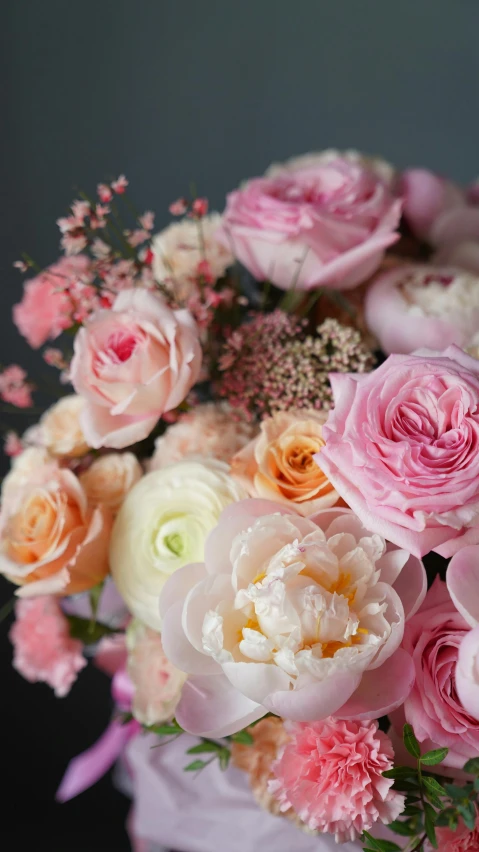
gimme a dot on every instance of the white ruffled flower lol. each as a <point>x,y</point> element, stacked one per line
<point>162,525</point>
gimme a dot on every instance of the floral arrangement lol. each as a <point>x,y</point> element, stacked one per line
<point>274,420</point>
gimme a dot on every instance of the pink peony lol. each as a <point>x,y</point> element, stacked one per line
<point>402,449</point>
<point>330,773</point>
<point>43,649</point>
<point>414,305</point>
<point>133,363</point>
<point>433,638</point>
<point>207,430</point>
<point>322,221</point>
<point>302,617</point>
<point>45,310</point>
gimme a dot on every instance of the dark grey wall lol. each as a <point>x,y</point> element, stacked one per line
<point>170,91</point>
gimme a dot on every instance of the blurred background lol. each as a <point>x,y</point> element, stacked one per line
<point>169,92</point>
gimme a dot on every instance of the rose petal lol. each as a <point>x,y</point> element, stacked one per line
<point>462,580</point>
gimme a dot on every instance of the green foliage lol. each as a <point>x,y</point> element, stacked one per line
<point>86,630</point>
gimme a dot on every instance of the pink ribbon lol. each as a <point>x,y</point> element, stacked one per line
<point>87,768</point>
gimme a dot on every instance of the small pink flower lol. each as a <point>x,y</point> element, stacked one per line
<point>200,207</point>
<point>147,221</point>
<point>136,238</point>
<point>80,210</point>
<point>54,358</point>
<point>104,193</point>
<point>119,185</point>
<point>73,243</point>
<point>13,445</point>
<point>43,648</point>
<point>21,265</point>
<point>14,388</point>
<point>100,249</point>
<point>330,773</point>
<point>179,207</point>
<point>460,840</point>
<point>156,681</point>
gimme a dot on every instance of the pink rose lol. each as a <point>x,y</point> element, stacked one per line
<point>433,638</point>
<point>132,364</point>
<point>463,584</point>
<point>331,774</point>
<point>45,310</point>
<point>322,222</point>
<point>414,305</point>
<point>302,617</point>
<point>43,649</point>
<point>444,215</point>
<point>462,839</point>
<point>402,449</point>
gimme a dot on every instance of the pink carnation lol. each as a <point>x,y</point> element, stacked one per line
<point>460,840</point>
<point>43,648</point>
<point>45,309</point>
<point>330,773</point>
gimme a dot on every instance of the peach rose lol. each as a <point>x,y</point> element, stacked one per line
<point>132,363</point>
<point>51,540</point>
<point>21,471</point>
<point>60,430</point>
<point>279,465</point>
<point>110,478</point>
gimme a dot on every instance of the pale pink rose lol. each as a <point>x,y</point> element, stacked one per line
<point>322,223</point>
<point>279,464</point>
<point>59,430</point>
<point>302,617</point>
<point>109,479</point>
<point>43,648</point>
<point>51,540</point>
<point>133,363</point>
<point>433,638</point>
<point>462,580</point>
<point>207,431</point>
<point>330,773</point>
<point>401,449</point>
<point>415,305</point>
<point>157,683</point>
<point>460,840</point>
<point>45,310</point>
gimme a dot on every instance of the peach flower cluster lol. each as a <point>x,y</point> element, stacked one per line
<point>43,648</point>
<point>279,464</point>
<point>109,479</point>
<point>157,683</point>
<point>269,737</point>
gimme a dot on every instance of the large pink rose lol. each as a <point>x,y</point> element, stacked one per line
<point>463,584</point>
<point>415,305</point>
<point>133,363</point>
<point>402,449</point>
<point>433,638</point>
<point>443,214</point>
<point>324,221</point>
<point>302,617</point>
<point>45,309</point>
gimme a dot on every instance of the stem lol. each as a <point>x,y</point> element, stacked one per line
<point>419,844</point>
<point>7,609</point>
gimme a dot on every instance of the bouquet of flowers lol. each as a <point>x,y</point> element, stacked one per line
<point>274,418</point>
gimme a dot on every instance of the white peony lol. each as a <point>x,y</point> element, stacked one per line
<point>162,525</point>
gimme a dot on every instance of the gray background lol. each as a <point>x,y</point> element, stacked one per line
<point>170,91</point>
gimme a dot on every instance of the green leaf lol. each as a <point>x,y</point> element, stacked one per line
<point>224,757</point>
<point>400,772</point>
<point>195,766</point>
<point>433,786</point>
<point>411,742</point>
<point>430,819</point>
<point>457,794</point>
<point>202,748</point>
<point>7,608</point>
<point>406,786</point>
<point>243,737</point>
<point>447,817</point>
<point>468,813</point>
<point>95,595</point>
<point>86,630</point>
<point>165,730</point>
<point>472,766</point>
<point>437,755</point>
<point>381,845</point>
<point>411,810</point>
<point>402,828</point>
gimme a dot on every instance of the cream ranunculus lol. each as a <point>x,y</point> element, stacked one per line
<point>109,479</point>
<point>279,464</point>
<point>59,429</point>
<point>162,525</point>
